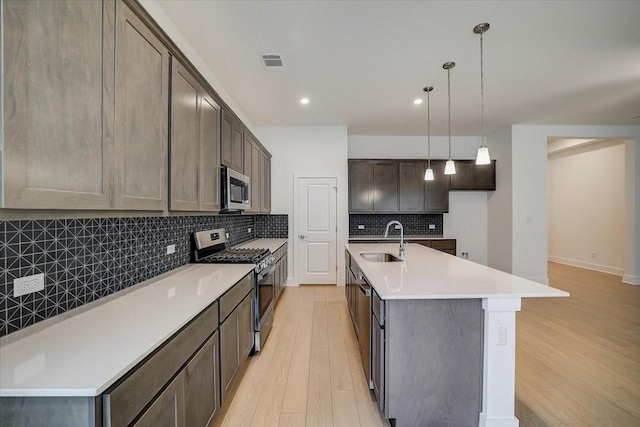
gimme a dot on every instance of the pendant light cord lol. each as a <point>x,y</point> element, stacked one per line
<point>429,128</point>
<point>482,92</point>
<point>449,94</point>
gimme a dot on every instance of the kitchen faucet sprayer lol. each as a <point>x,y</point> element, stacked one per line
<point>402,243</point>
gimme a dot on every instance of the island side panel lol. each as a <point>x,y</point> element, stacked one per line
<point>434,359</point>
<point>51,411</point>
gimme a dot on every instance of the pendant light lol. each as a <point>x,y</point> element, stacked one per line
<point>482,158</point>
<point>450,166</point>
<point>428,174</point>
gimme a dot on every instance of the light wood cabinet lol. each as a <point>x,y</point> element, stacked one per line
<point>168,409</point>
<point>265,185</point>
<point>58,104</point>
<point>232,143</point>
<point>202,385</point>
<point>141,109</point>
<point>185,139</point>
<point>195,117</point>
<point>252,156</point>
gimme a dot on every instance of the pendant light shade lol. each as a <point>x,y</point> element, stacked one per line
<point>428,174</point>
<point>450,167</point>
<point>482,158</point>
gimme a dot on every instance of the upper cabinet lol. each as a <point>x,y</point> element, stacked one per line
<point>232,142</point>
<point>90,121</point>
<point>373,186</point>
<point>252,161</point>
<point>436,192</point>
<point>265,187</point>
<point>58,79</point>
<point>472,177</point>
<point>141,112</point>
<point>194,144</point>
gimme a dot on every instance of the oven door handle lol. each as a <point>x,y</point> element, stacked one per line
<point>265,273</point>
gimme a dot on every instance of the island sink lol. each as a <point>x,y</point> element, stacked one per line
<point>379,257</point>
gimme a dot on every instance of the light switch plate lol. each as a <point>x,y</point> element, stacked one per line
<point>360,227</point>
<point>432,226</point>
<point>28,284</point>
<point>171,249</point>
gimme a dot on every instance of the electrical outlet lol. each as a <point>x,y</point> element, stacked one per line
<point>465,255</point>
<point>397,227</point>
<point>28,284</point>
<point>501,338</point>
<point>360,227</point>
<point>432,226</point>
<point>249,230</point>
<point>226,235</point>
<point>171,249</point>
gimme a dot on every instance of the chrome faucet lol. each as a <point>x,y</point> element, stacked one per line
<point>402,243</point>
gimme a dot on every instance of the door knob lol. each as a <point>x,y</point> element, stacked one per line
<point>302,237</point>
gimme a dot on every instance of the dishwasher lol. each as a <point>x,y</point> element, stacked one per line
<point>364,324</point>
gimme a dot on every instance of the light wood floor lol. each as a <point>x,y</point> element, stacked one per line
<point>578,358</point>
<point>309,372</point>
<point>577,361</point>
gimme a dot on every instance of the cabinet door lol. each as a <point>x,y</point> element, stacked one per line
<point>202,385</point>
<point>377,361</point>
<point>142,88</point>
<point>58,104</point>
<point>265,196</point>
<point>385,183</point>
<point>360,186</point>
<point>463,178</point>
<point>246,327</point>
<point>226,140</point>
<point>485,177</point>
<point>437,191</point>
<point>185,139</point>
<point>209,157</point>
<point>229,351</point>
<point>252,170</point>
<point>168,408</point>
<point>237,145</point>
<point>411,186</point>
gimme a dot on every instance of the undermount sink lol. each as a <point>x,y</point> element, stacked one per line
<point>379,257</point>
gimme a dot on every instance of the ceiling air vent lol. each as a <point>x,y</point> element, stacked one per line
<point>272,61</point>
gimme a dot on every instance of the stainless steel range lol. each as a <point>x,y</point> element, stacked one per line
<point>209,246</point>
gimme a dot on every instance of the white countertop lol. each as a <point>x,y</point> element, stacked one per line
<point>82,355</point>
<point>271,244</point>
<point>396,238</point>
<point>427,273</point>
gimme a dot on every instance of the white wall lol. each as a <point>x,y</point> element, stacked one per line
<point>467,217</point>
<point>529,162</point>
<point>158,14</point>
<point>587,206</point>
<point>500,204</point>
<point>307,151</point>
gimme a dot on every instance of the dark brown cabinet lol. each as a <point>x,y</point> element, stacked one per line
<point>393,186</point>
<point>443,245</point>
<point>472,177</point>
<point>373,186</point>
<point>232,142</point>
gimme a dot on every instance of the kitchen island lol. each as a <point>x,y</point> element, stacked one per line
<point>442,335</point>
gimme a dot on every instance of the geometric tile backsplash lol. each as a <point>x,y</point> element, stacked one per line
<point>413,224</point>
<point>86,259</point>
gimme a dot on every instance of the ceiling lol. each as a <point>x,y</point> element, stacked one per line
<point>362,63</point>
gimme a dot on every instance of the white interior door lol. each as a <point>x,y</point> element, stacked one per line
<point>317,231</point>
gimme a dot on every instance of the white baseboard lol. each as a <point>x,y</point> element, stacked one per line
<point>631,280</point>
<point>291,282</point>
<point>588,265</point>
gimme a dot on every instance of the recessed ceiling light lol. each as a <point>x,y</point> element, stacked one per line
<point>417,101</point>
<point>304,101</point>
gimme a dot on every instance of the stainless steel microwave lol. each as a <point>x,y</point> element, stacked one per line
<point>236,190</point>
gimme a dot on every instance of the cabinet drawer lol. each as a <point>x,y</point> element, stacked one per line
<point>127,399</point>
<point>280,252</point>
<point>444,244</point>
<point>377,305</point>
<point>233,296</point>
